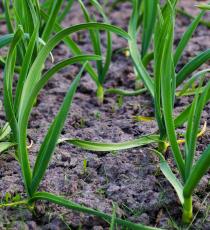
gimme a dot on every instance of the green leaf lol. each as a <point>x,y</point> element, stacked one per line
<point>95,39</point>
<point>48,146</point>
<point>134,50</point>
<point>96,43</point>
<point>122,92</point>
<point>5,39</point>
<point>158,53</point>
<point>191,66</point>
<point>168,92</point>
<point>74,206</point>
<point>5,131</point>
<point>181,11</point>
<point>204,6</point>
<point>8,79</point>
<point>189,83</point>
<point>25,67</point>
<point>149,19</point>
<point>197,173</point>
<point>186,37</point>
<point>167,172</point>
<point>108,57</point>
<point>193,126</point>
<point>5,146</point>
<point>113,221</point>
<point>25,15</point>
<point>66,10</point>
<point>107,147</point>
<point>56,5</point>
<point>183,116</point>
<point>8,16</point>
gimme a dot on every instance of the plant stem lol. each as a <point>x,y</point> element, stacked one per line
<point>162,145</point>
<point>187,210</point>
<point>100,94</point>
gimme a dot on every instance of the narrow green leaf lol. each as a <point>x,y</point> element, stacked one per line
<point>56,5</point>
<point>183,116</point>
<point>95,39</point>
<point>193,126</point>
<point>48,146</point>
<point>8,81</point>
<point>30,16</point>
<point>186,14</point>
<point>5,146</point>
<point>134,50</point>
<point>8,16</point>
<point>5,39</point>
<point>189,83</point>
<point>107,147</point>
<point>122,92</point>
<point>25,68</point>
<point>186,37</point>
<point>191,66</point>
<point>167,91</point>
<point>167,172</point>
<point>65,11</point>
<point>5,131</point>
<point>149,84</point>
<point>108,57</point>
<point>204,6</point>
<point>113,220</point>
<point>9,108</point>
<point>74,206</point>
<point>159,35</point>
<point>149,19</point>
<point>197,173</point>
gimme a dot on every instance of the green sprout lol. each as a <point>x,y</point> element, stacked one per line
<point>163,90</point>
<point>19,103</point>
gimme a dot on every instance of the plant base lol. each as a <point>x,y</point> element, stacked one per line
<point>187,211</point>
<point>100,94</point>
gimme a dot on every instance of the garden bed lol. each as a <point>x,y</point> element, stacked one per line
<point>132,178</point>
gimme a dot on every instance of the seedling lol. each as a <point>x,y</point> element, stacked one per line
<point>97,115</point>
<point>84,166</point>
<point>163,88</point>
<point>19,105</point>
<point>102,68</point>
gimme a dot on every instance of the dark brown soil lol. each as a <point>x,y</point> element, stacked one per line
<point>131,179</point>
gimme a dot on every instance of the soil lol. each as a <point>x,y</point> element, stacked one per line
<point>132,178</point>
